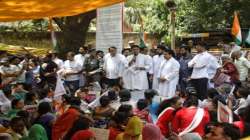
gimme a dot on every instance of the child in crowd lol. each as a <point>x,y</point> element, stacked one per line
<point>142,111</point>
<point>117,125</point>
<point>114,101</point>
<point>241,101</point>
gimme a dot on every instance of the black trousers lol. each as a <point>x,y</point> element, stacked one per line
<point>111,82</point>
<point>200,86</point>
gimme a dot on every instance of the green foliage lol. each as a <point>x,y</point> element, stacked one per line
<point>191,15</point>
<point>25,26</point>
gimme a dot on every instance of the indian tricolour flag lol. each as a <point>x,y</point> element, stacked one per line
<point>236,31</point>
<point>248,38</point>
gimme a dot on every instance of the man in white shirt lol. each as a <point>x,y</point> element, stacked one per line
<point>7,71</point>
<point>55,59</point>
<point>71,71</point>
<point>200,64</point>
<point>168,75</point>
<point>242,65</point>
<point>113,66</point>
<point>80,59</point>
<point>157,59</point>
<point>136,78</point>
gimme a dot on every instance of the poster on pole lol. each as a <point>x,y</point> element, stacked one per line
<point>109,27</point>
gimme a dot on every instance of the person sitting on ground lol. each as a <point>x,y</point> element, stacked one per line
<point>66,120</point>
<point>17,128</point>
<point>244,123</point>
<point>142,111</point>
<point>30,99</point>
<point>18,91</point>
<point>223,131</point>
<point>102,113</point>
<point>133,130</point>
<point>151,132</point>
<point>166,112</point>
<point>16,105</point>
<point>127,109</point>
<point>117,124</point>
<point>36,132</point>
<point>152,106</point>
<point>188,114</point>
<point>114,101</point>
<point>82,123</point>
<point>84,135</point>
<point>45,117</point>
<point>125,98</point>
<point>241,102</point>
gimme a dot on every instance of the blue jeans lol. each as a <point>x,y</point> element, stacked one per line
<point>72,85</point>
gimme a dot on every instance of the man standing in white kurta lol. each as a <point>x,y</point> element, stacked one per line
<point>136,76</point>
<point>157,59</point>
<point>80,59</point>
<point>168,75</point>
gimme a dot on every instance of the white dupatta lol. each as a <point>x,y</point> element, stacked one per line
<point>195,122</point>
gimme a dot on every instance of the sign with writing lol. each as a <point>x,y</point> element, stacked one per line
<point>224,113</point>
<point>109,27</point>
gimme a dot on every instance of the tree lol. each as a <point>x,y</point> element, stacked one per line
<point>73,31</point>
<point>191,16</point>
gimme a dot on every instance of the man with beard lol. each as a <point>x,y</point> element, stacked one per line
<point>157,59</point>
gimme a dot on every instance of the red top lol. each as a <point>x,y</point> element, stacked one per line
<point>113,133</point>
<point>64,123</point>
<point>143,114</point>
<point>164,120</point>
<point>231,71</point>
<point>240,125</point>
<point>184,117</point>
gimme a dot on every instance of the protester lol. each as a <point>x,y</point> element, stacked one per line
<point>36,132</point>
<point>151,132</point>
<point>118,124</point>
<point>17,128</point>
<point>166,113</point>
<point>45,118</point>
<point>190,113</point>
<point>37,106</point>
<point>223,131</point>
<point>152,105</point>
<point>133,130</point>
<point>82,123</point>
<point>83,135</point>
<point>229,69</point>
<point>142,111</point>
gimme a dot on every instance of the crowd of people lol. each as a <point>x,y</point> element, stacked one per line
<point>139,94</point>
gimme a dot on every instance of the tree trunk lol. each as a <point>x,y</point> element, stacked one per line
<point>74,30</point>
